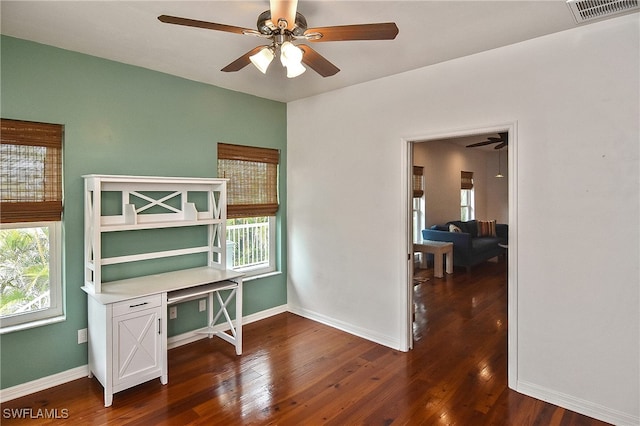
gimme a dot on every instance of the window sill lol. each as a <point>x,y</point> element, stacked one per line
<point>32,324</point>
<point>265,275</point>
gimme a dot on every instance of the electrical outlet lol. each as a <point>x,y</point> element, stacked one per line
<point>202,305</point>
<point>82,336</point>
<point>173,312</point>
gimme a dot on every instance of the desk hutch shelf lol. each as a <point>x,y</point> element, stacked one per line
<point>128,317</point>
<point>151,203</point>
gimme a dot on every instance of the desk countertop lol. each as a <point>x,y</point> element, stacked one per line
<point>117,291</point>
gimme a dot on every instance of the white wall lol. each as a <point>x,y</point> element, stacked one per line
<point>497,189</point>
<point>443,161</point>
<point>575,99</point>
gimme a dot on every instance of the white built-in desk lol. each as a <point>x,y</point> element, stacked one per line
<point>128,318</point>
<point>128,328</point>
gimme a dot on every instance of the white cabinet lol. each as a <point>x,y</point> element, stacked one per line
<point>127,342</point>
<point>137,341</point>
<point>127,316</point>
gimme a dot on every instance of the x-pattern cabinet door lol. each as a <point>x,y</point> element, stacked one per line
<point>137,349</point>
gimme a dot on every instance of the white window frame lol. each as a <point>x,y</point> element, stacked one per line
<point>55,312</point>
<point>256,271</point>
<point>470,206</point>
<point>418,218</point>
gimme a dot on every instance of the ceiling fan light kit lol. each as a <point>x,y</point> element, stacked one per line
<point>295,70</point>
<point>262,59</point>
<point>291,58</point>
<point>288,26</point>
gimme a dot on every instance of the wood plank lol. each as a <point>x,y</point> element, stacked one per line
<point>295,371</point>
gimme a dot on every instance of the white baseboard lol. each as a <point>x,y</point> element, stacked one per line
<point>43,383</point>
<point>578,405</point>
<point>348,328</point>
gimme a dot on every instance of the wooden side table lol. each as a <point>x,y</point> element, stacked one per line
<point>438,249</point>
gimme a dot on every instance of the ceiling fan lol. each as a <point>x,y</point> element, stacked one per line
<point>282,24</point>
<point>501,141</point>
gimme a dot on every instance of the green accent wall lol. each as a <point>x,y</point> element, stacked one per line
<point>121,119</point>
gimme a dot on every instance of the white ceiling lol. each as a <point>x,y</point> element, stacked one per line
<point>430,32</point>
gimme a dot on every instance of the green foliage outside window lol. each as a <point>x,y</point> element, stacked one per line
<point>24,270</point>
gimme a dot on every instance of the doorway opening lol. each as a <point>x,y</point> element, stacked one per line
<point>442,199</point>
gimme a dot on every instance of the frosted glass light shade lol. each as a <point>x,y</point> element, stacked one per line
<point>290,54</point>
<point>294,70</point>
<point>262,59</point>
<point>291,57</point>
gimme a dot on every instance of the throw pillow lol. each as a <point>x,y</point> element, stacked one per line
<point>486,228</point>
<point>453,228</point>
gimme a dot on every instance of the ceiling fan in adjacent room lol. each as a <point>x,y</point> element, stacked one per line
<point>282,25</point>
<point>501,141</point>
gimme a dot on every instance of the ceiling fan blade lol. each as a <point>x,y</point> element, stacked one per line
<point>317,62</point>
<point>473,145</point>
<point>494,139</point>
<point>284,9</point>
<point>242,61</point>
<point>500,145</point>
<point>202,24</point>
<point>381,31</point>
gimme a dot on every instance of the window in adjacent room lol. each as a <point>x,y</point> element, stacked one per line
<point>466,196</point>
<point>252,203</point>
<point>418,202</point>
<point>31,291</point>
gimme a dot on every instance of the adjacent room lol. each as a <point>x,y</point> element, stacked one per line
<point>224,228</point>
<point>463,181</point>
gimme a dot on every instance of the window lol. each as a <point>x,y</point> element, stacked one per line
<point>418,202</point>
<point>253,243</point>
<point>252,203</point>
<point>418,218</point>
<point>467,202</point>
<point>30,224</point>
<point>466,205</point>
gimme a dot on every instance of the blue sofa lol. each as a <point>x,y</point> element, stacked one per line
<point>468,248</point>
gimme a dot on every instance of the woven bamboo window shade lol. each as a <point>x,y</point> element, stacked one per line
<point>30,171</point>
<point>418,181</point>
<point>252,189</point>
<point>466,180</point>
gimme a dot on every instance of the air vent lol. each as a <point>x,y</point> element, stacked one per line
<point>588,10</point>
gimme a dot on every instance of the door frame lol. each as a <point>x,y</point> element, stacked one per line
<point>512,276</point>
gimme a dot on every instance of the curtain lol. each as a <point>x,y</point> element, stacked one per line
<point>466,180</point>
<point>418,181</point>
<point>252,189</point>
<point>30,171</point>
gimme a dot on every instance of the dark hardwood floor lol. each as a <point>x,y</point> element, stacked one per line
<point>297,372</point>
